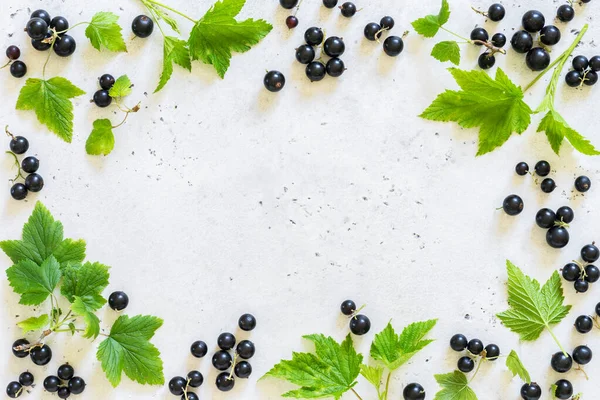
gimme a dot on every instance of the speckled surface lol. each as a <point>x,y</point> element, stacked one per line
<point>221,198</point>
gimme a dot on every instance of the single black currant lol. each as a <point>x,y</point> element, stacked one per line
<point>542,168</point>
<point>581,285</point>
<point>246,349</point>
<point>18,191</point>
<point>548,185</point>
<point>458,342</point>
<point>486,60</point>
<point>30,164</point>
<point>64,46</point>
<point>496,12</point>
<point>522,42</point>
<point>247,322</point>
<point>561,362</point>
<point>592,273</point>
<point>360,324</point>
<point>65,372</point>
<point>42,44</point>
<point>291,21</point>
<point>563,389</point>
<point>372,31</point>
<point>18,343</point>
<point>63,393</point>
<point>480,35</point>
<point>582,355</point>
<point>595,63</point>
<point>413,391</point>
<point>314,36</point>
<point>465,364</point>
<point>315,71</point>
<point>13,52</point>
<point>550,35</point>
<point>492,352</point>
<point>590,253</point>
<point>40,355</point>
<point>565,13</point>
<point>557,237</point>
<point>335,67</point>
<point>274,81</point>
<point>584,324</point>
<point>224,382</point>
<point>387,22</point>
<point>393,46</point>
<point>226,341</point>
<point>475,346</point>
<point>102,98</point>
<point>522,168</point>
<point>565,214</point>
<point>580,63</point>
<point>330,3</point>
<point>221,360</point>
<point>571,272</point>
<point>499,40</point>
<point>76,385</point>
<point>118,300</point>
<point>142,26</point>
<point>533,21</point>
<point>195,378</point>
<point>305,54</point>
<point>106,81</point>
<point>59,24</point>
<point>598,309</point>
<point>574,78</point>
<point>18,69</point>
<point>37,28</point>
<point>26,378</point>
<point>513,205</point>
<point>583,184</point>
<point>531,391</point>
<point>177,385</point>
<point>589,78</point>
<point>348,307</point>
<point>334,46</point>
<point>14,390</point>
<point>545,218</point>
<point>288,4</point>
<point>43,14</point>
<point>243,369</point>
<point>537,59</point>
<point>348,9</point>
<point>52,383</point>
<point>190,396</point>
<point>199,349</point>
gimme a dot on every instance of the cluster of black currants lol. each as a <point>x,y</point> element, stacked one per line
<point>15,389</point>
<point>45,33</point>
<point>18,68</point>
<point>556,223</point>
<point>33,182</point>
<point>534,22</point>
<point>582,274</point>
<point>359,324</point>
<point>542,169</point>
<point>102,97</point>
<point>480,37</point>
<point>474,348</point>
<point>333,47</point>
<point>40,354</point>
<point>562,362</point>
<point>584,72</point>
<point>585,323</point>
<point>392,45</point>
<point>180,386</point>
<point>64,383</point>
<point>566,13</point>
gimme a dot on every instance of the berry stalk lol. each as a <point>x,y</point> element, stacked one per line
<point>166,7</point>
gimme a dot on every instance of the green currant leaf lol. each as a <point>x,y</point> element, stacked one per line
<point>160,14</point>
<point>34,282</point>
<point>175,51</point>
<point>557,129</point>
<point>121,88</point>
<point>104,30</point>
<point>85,307</point>
<point>429,25</point>
<point>101,140</point>
<point>373,375</point>
<point>86,281</point>
<point>455,386</point>
<point>34,323</point>
<point>516,367</point>
<point>447,51</point>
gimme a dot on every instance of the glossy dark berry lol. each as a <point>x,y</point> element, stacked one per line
<point>335,67</point>
<point>595,63</point>
<point>574,78</point>
<point>43,14</point>
<point>226,341</point>
<point>513,205</point>
<point>224,382</point>
<point>288,4</point>
<point>26,379</point>
<point>348,9</point>
<point>492,352</point>
<point>479,34</point>
<point>190,396</point>
<point>18,191</point>
<point>221,360</point>
<point>65,372</point>
<point>305,54</point>
<point>537,59</point>
<point>499,40</point>
<point>542,168</point>
<point>565,214</point>
<point>315,71</point>
<point>563,390</point>
<point>372,31</point>
<point>330,3</point>
<point>582,355</point>
<point>20,353</point>
<point>522,42</point>
<point>14,389</point>
<point>348,307</point>
<point>387,22</point>
<point>486,60</point>
<point>51,383</point>
<point>30,164</point>
<point>496,12</point>
<point>42,44</point>
<point>465,364</point>
<point>565,13</point>
<point>581,286</point>
<point>592,273</point>
<point>243,369</point>
<point>580,63</point>
<point>522,168</point>
<point>59,24</point>
<point>413,391</point>
<point>360,324</point>
<point>531,391</point>
<point>557,237</point>
<point>533,21</point>
<point>106,81</point>
<point>34,182</point>
<point>475,346</point>
<point>76,385</point>
<point>36,28</point>
<point>195,378</point>
<point>118,300</point>
<point>142,26</point>
<point>274,81</point>
<point>314,36</point>
<point>589,78</point>
<point>550,35</point>
<point>64,46</point>
<point>458,342</point>
<point>545,218</point>
<point>63,393</point>
<point>102,98</point>
<point>18,69</point>
<point>334,46</point>
<point>247,322</point>
<point>548,185</point>
<point>393,46</point>
<point>571,272</point>
<point>291,21</point>
<point>199,349</point>
<point>583,184</point>
<point>13,52</point>
<point>177,385</point>
<point>246,349</point>
<point>40,355</point>
<point>584,324</point>
<point>590,253</point>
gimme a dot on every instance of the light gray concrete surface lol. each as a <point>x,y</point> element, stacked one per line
<point>221,198</point>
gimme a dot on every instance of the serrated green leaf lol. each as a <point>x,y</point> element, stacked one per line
<point>104,30</point>
<point>495,106</point>
<point>175,51</point>
<point>128,349</point>
<point>121,88</point>
<point>516,367</point>
<point>85,307</point>
<point>34,323</point>
<point>373,375</point>
<point>34,282</point>
<point>394,350</point>
<point>43,237</point>
<point>51,102</point>
<point>455,386</point>
<point>532,309</point>
<point>429,25</point>
<point>217,34</point>
<point>557,129</point>
<point>86,281</point>
<point>101,140</point>
<point>447,51</point>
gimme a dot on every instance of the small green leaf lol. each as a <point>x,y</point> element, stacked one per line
<point>84,307</point>
<point>34,323</point>
<point>104,30</point>
<point>101,140</point>
<point>34,282</point>
<point>516,367</point>
<point>447,51</point>
<point>121,88</point>
<point>557,129</point>
<point>86,281</point>
<point>372,374</point>
<point>175,51</point>
<point>455,386</point>
<point>161,14</point>
<point>429,25</point>
<point>72,328</point>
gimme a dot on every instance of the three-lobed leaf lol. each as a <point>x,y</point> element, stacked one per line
<point>557,129</point>
<point>121,88</point>
<point>104,31</point>
<point>516,367</point>
<point>455,386</point>
<point>34,323</point>
<point>32,281</point>
<point>373,374</point>
<point>86,281</point>
<point>446,51</point>
<point>102,139</point>
<point>429,25</point>
<point>175,51</point>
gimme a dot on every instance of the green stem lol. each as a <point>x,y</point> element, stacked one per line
<point>19,174</point>
<point>476,370</point>
<point>48,57</point>
<point>77,24</point>
<point>356,394</point>
<point>387,385</point>
<point>458,36</point>
<point>557,342</point>
<point>69,330</point>
<point>151,11</point>
<point>166,7</point>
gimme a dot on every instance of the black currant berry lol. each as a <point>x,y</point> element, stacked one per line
<point>582,355</point>
<point>372,31</point>
<point>545,218</point>
<point>59,24</point>
<point>243,369</point>
<point>565,214</point>
<point>224,382</point>
<point>565,13</point>
<point>531,391</point>
<point>335,67</point>
<point>537,59</point>
<point>195,378</point>
<point>513,205</point>
<point>246,349</point>
<point>118,300</point>
<point>393,46</point>
<point>142,26</point>
<point>291,21</point>
<point>581,286</point>
<point>557,237</point>
<point>65,372</point>
<point>522,42</point>
<point>18,191</point>
<point>30,164</point>
<point>542,168</point>
<point>571,272</point>
<point>26,379</point>
<point>315,71</point>
<point>43,14</point>
<point>496,12</point>
<point>13,52</point>
<point>334,46</point>
<point>19,145</point>
<point>522,168</point>
<point>106,81</point>
<point>226,341</point>
<point>479,34</point>
<point>274,81</point>
<point>76,385</point>
<point>199,349</point>
<point>583,184</point>
<point>65,46</point>
<point>102,98</point>
<point>592,273</point>
<point>190,396</point>
<point>51,383</point>
<point>305,54</point>
<point>348,9</point>
<point>561,362</point>
<point>221,360</point>
<point>589,79</point>
<point>580,63</point>
<point>387,22</point>
<point>314,36</point>
<point>20,353</point>
<point>247,322</point>
<point>413,391</point>
<point>458,342</point>
<point>584,324</point>
<point>348,307</point>
<point>563,390</point>
<point>550,35</point>
<point>475,346</point>
<point>492,352</point>
<point>533,21</point>
<point>486,60</point>
<point>330,3</point>
<point>595,63</point>
<point>590,253</point>
<point>548,185</point>
<point>34,182</point>
<point>63,393</point>
<point>360,324</point>
<point>42,44</point>
<point>288,4</point>
<point>177,385</point>
<point>18,69</point>
<point>499,40</point>
<point>14,390</point>
<point>40,355</point>
<point>574,78</point>
<point>598,309</point>
<point>465,364</point>
<point>36,28</point>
